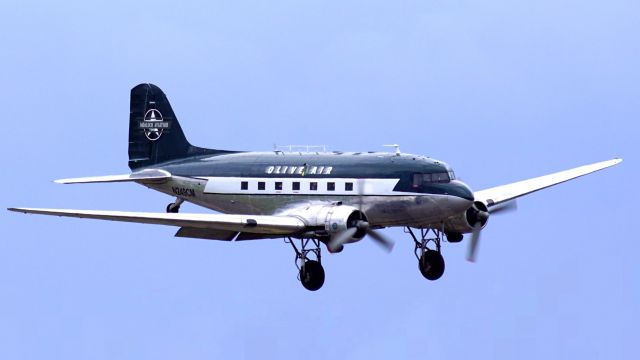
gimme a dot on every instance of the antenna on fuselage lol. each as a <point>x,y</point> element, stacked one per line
<point>395,146</point>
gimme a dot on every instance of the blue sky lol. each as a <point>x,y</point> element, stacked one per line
<point>501,90</point>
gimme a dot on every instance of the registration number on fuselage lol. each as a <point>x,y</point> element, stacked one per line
<point>184,192</point>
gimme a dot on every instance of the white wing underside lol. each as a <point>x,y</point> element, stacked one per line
<point>207,226</point>
<point>500,194</point>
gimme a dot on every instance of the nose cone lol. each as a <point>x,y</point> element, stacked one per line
<point>461,190</point>
<point>460,196</point>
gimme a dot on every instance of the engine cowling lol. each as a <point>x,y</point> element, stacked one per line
<point>333,219</point>
<point>464,222</point>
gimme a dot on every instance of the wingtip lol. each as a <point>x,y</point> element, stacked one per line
<point>613,162</point>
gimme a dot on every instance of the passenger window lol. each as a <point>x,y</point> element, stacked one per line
<point>244,185</point>
<point>278,185</point>
<point>261,185</point>
<point>331,186</point>
<point>427,178</point>
<point>348,186</point>
<point>417,180</point>
<point>296,186</point>
<point>313,186</point>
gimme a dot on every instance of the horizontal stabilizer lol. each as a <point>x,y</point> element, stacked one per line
<point>149,175</point>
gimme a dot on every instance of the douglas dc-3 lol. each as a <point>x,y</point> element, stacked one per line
<point>308,198</point>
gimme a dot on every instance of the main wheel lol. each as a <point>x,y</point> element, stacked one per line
<point>431,265</point>
<point>312,275</point>
<point>172,208</point>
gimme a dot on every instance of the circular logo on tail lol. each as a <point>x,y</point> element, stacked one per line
<point>153,125</point>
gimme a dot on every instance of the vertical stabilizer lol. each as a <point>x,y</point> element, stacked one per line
<point>155,135</point>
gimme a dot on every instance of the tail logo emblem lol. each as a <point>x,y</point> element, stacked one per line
<point>153,125</point>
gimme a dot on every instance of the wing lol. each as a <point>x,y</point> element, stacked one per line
<point>511,191</point>
<point>205,226</point>
<point>149,175</point>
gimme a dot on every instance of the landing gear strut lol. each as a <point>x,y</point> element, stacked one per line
<point>430,261</point>
<point>310,272</point>
<point>174,207</point>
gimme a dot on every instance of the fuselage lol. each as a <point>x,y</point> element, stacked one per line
<point>392,189</point>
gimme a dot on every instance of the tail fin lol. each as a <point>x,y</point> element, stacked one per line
<point>155,136</point>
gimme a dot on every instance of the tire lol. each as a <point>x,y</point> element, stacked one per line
<point>312,275</point>
<point>431,265</point>
<point>173,209</point>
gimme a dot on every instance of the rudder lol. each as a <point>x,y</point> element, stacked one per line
<point>155,135</point>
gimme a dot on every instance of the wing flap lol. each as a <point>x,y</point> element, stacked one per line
<point>260,224</point>
<point>500,194</point>
<point>207,234</point>
<point>149,175</point>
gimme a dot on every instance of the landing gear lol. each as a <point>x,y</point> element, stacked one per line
<point>310,272</point>
<point>430,261</point>
<point>431,265</point>
<point>312,275</point>
<point>174,207</point>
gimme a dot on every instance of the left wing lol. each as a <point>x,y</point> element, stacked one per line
<point>504,193</point>
<point>208,226</point>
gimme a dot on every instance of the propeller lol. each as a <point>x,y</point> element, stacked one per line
<point>343,237</point>
<point>479,215</point>
<point>361,224</point>
<point>475,236</point>
<point>380,240</point>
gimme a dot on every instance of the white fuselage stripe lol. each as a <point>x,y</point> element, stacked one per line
<point>232,185</point>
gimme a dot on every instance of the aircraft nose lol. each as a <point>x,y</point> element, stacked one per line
<point>461,197</point>
<point>461,190</point>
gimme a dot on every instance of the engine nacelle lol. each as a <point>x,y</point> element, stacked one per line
<point>332,219</point>
<point>464,222</point>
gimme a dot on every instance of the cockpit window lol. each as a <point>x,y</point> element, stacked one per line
<point>420,179</point>
<point>440,177</point>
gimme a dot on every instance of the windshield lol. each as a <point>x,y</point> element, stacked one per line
<point>439,177</point>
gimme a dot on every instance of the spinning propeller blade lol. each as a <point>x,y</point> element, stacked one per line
<point>380,240</point>
<point>340,239</point>
<point>473,242</point>
<point>481,218</point>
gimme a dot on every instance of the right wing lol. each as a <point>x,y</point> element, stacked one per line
<point>206,226</point>
<point>504,193</point>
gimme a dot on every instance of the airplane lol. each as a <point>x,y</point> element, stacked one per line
<point>311,198</point>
